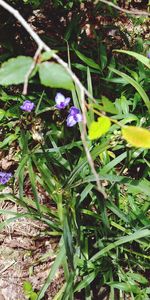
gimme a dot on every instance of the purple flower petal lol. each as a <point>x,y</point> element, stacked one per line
<point>27,106</point>
<point>78,117</point>
<point>148,55</point>
<point>61,101</point>
<point>74,116</point>
<point>4,177</point>
<point>74,110</point>
<point>3,180</point>
<point>59,98</point>
<point>67,100</point>
<point>2,174</point>
<point>71,121</point>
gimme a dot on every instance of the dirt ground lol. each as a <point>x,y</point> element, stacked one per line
<point>26,254</point>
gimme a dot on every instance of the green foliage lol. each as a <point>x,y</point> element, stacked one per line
<point>104,240</point>
<point>28,291</point>
<point>54,75</point>
<point>97,129</point>
<point>144,60</point>
<point>51,74</point>
<point>88,61</point>
<point>74,219</point>
<point>136,85</point>
<point>14,70</point>
<point>136,136</point>
<point>47,55</point>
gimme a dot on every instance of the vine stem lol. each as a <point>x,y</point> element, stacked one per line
<point>83,91</point>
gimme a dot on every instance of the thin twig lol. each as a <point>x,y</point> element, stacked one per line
<point>131,12</point>
<point>8,266</point>
<point>26,79</point>
<point>83,90</point>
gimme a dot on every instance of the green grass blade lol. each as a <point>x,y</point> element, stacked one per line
<point>33,181</point>
<point>86,281</point>
<point>134,236</point>
<point>113,163</point>
<point>94,153</point>
<point>143,59</point>
<point>87,60</point>
<point>136,85</point>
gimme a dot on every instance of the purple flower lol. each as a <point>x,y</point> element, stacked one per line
<point>4,177</point>
<point>27,106</point>
<point>148,54</point>
<point>61,101</point>
<point>74,116</point>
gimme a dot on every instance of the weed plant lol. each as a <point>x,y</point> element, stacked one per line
<point>103,234</point>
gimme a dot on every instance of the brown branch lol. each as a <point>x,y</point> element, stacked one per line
<point>26,79</point>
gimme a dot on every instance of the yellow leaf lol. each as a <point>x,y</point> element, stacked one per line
<point>97,129</point>
<point>136,136</point>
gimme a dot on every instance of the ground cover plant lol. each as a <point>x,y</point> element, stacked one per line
<point>75,139</point>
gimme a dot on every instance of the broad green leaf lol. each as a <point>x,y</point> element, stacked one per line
<point>137,277</point>
<point>27,287</point>
<point>122,105</point>
<point>33,296</point>
<point>94,131</point>
<point>135,84</point>
<point>136,136</point>
<point>126,286</point>
<point>2,114</point>
<point>108,106</point>
<point>47,55</point>
<point>143,59</point>
<point>97,129</point>
<point>140,186</point>
<point>55,76</point>
<point>14,70</point>
<point>148,290</point>
<point>90,62</point>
